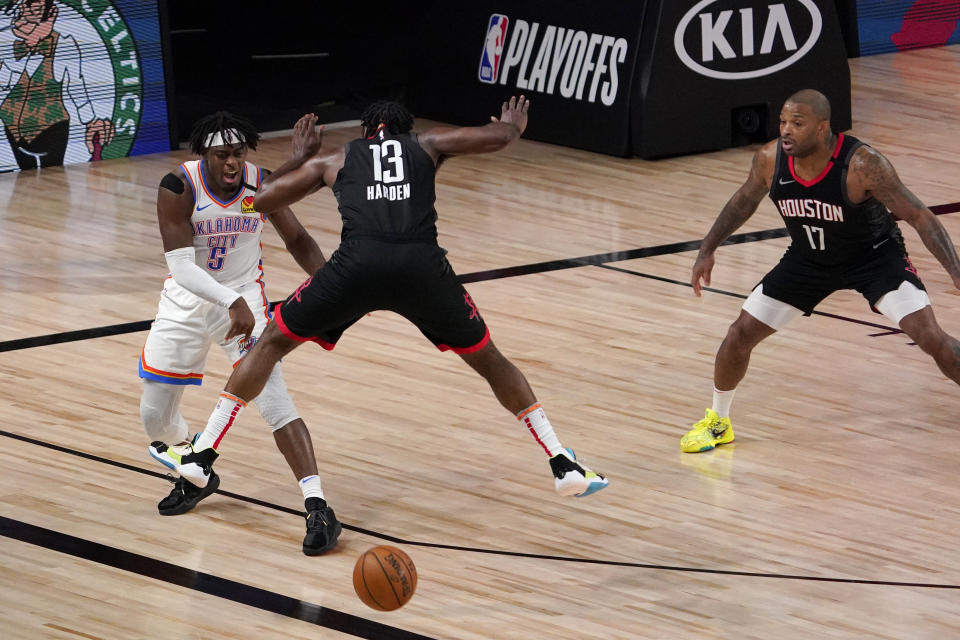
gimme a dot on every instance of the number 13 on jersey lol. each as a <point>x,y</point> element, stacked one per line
<point>387,152</point>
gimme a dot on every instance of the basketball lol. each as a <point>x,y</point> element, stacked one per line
<point>384,578</point>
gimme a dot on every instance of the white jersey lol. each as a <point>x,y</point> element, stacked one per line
<point>226,234</point>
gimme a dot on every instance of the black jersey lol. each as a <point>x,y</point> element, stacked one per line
<point>386,189</point>
<point>825,227</point>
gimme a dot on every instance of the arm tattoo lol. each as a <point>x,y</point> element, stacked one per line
<point>936,240</point>
<point>881,179</point>
<point>871,167</point>
<point>738,209</point>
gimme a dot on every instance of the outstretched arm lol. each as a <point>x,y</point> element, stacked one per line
<point>872,172</point>
<point>299,243</point>
<point>307,170</point>
<point>440,142</point>
<point>738,210</point>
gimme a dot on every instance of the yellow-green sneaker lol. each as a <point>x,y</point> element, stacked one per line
<point>707,433</point>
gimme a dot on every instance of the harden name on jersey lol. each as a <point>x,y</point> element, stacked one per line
<point>393,192</point>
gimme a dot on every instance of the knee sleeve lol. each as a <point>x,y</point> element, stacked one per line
<point>160,412</point>
<point>903,301</point>
<point>274,401</point>
<point>769,311</point>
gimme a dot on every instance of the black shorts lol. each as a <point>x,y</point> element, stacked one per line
<point>364,275</point>
<point>803,284</point>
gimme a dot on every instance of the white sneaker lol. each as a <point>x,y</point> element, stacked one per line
<point>572,478</point>
<point>193,466</point>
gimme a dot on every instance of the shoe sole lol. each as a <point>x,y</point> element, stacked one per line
<point>709,447</point>
<point>311,551</point>
<point>593,488</point>
<point>161,460</point>
<point>185,506</point>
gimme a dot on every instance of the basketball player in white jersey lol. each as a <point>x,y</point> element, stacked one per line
<point>215,294</point>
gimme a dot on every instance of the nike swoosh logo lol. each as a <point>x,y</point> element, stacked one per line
<point>781,181</point>
<point>879,243</point>
<point>204,206</point>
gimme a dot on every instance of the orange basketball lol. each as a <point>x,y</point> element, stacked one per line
<point>384,578</point>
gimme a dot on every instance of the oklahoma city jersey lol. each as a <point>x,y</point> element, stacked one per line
<point>226,234</point>
<point>226,243</point>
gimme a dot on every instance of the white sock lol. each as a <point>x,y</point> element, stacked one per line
<point>223,416</point>
<point>722,401</point>
<point>310,486</point>
<point>536,421</point>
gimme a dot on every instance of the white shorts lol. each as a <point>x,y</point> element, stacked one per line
<point>176,348</point>
<point>896,304</point>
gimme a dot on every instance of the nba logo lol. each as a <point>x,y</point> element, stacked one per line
<point>493,48</point>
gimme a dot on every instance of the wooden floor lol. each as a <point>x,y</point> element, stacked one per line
<point>833,516</point>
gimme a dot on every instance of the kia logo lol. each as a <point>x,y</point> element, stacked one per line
<point>746,41</point>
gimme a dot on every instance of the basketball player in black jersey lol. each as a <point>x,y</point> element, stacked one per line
<point>836,196</point>
<point>388,259</point>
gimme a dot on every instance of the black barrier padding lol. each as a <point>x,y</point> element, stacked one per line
<point>576,99</point>
<point>713,100</point>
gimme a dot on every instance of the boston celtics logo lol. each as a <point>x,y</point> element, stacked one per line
<point>71,87</point>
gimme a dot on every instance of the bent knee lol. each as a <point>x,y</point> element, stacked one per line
<point>152,417</point>
<point>741,334</point>
<point>930,340</point>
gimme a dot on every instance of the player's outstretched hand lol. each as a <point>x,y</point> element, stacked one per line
<point>307,136</point>
<point>701,271</point>
<point>242,321</point>
<point>514,112</point>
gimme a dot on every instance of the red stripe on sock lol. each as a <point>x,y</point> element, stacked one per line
<point>233,416</point>
<point>535,436</point>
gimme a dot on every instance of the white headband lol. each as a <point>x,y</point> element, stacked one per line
<point>227,136</point>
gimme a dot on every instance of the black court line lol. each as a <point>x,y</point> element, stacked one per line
<point>497,552</point>
<point>203,582</point>
<point>73,336</point>
<point>615,256</point>
<point>478,276</point>
<point>887,331</point>
<point>941,209</point>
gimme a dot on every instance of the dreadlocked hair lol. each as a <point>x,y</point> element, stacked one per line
<point>393,115</point>
<point>218,123</point>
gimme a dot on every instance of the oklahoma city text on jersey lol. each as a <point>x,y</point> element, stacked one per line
<point>226,224</point>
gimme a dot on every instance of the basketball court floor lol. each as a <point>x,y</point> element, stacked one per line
<point>833,515</point>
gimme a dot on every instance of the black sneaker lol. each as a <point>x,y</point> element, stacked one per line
<point>185,495</point>
<point>323,529</point>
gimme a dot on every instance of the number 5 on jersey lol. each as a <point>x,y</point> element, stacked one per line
<point>390,150</point>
